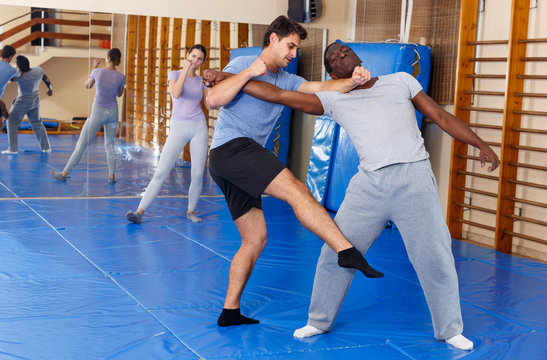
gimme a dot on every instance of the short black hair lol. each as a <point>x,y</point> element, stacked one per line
<point>328,68</point>
<point>282,26</point>
<point>115,56</point>
<point>200,48</point>
<point>7,51</point>
<point>22,63</point>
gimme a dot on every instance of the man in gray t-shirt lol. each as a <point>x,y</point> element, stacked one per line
<point>394,183</point>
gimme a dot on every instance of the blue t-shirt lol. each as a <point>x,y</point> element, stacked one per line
<point>7,72</point>
<point>247,116</point>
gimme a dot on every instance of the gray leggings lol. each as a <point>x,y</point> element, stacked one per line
<point>108,117</point>
<point>407,195</point>
<point>30,106</point>
<point>180,133</point>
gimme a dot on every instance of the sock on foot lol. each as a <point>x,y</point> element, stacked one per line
<point>193,217</point>
<point>134,217</point>
<point>307,331</point>
<point>460,342</point>
<point>57,175</point>
<point>352,258</point>
<point>230,317</point>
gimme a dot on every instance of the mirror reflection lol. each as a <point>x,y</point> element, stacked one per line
<point>68,45</point>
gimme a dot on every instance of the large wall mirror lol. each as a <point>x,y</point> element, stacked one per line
<point>65,44</point>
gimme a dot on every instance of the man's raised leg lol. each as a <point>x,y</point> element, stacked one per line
<point>316,219</point>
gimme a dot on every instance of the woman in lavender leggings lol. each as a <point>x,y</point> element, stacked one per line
<point>110,83</point>
<point>187,125</point>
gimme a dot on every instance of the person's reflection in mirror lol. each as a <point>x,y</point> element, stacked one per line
<point>27,103</point>
<point>110,83</point>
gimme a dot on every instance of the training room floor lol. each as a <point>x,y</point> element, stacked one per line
<point>77,281</point>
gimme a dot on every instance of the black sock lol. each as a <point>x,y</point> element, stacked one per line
<point>352,258</point>
<point>233,317</point>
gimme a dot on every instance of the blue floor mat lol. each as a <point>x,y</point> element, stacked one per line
<point>77,281</point>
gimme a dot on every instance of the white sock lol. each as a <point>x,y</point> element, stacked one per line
<point>193,217</point>
<point>460,342</point>
<point>307,331</point>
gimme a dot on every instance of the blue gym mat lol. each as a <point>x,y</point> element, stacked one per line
<point>77,281</point>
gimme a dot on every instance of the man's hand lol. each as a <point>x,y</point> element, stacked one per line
<point>49,92</point>
<point>212,77</point>
<point>487,154</point>
<point>257,68</point>
<point>360,76</point>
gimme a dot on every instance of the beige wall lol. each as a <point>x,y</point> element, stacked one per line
<point>70,97</point>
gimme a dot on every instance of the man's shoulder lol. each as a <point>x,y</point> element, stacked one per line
<point>240,62</point>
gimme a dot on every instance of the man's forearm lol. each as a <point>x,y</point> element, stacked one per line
<point>308,103</point>
<point>226,90</point>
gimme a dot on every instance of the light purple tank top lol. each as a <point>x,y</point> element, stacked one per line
<point>188,105</point>
<point>108,83</point>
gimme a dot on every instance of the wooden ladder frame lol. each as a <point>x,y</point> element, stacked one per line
<point>511,130</point>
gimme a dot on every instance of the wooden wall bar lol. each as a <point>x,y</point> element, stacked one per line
<point>516,222</point>
<point>507,190</point>
<point>468,33</point>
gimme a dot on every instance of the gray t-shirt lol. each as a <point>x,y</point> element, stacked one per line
<point>29,82</point>
<point>247,116</point>
<point>381,120</point>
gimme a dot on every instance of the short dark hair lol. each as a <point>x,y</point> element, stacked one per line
<point>200,48</point>
<point>282,26</point>
<point>115,56</point>
<point>7,51</point>
<point>328,68</point>
<point>22,63</point>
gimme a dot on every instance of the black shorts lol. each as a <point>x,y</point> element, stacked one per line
<point>243,169</point>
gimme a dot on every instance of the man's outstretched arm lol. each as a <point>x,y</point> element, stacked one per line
<point>455,128</point>
<point>308,103</point>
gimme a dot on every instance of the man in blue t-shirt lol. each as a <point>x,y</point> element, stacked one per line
<point>244,169</point>
<point>394,183</point>
<point>7,72</point>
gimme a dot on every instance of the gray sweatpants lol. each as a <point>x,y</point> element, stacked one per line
<point>100,116</point>
<point>180,133</point>
<point>407,195</point>
<point>30,106</point>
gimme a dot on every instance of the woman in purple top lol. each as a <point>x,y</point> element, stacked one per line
<point>188,124</point>
<point>110,83</point>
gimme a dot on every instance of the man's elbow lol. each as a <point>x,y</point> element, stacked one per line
<point>212,101</point>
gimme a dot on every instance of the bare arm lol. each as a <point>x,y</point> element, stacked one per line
<point>224,91</point>
<point>205,93</point>
<point>455,128</point>
<point>90,82</point>
<point>308,103</point>
<point>359,77</point>
<point>177,86</point>
<point>48,84</point>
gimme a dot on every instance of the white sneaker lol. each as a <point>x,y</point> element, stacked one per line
<point>47,150</point>
<point>9,152</point>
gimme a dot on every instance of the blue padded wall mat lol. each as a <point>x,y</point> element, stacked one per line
<point>379,59</point>
<point>321,155</point>
<point>280,135</point>
<point>80,282</point>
